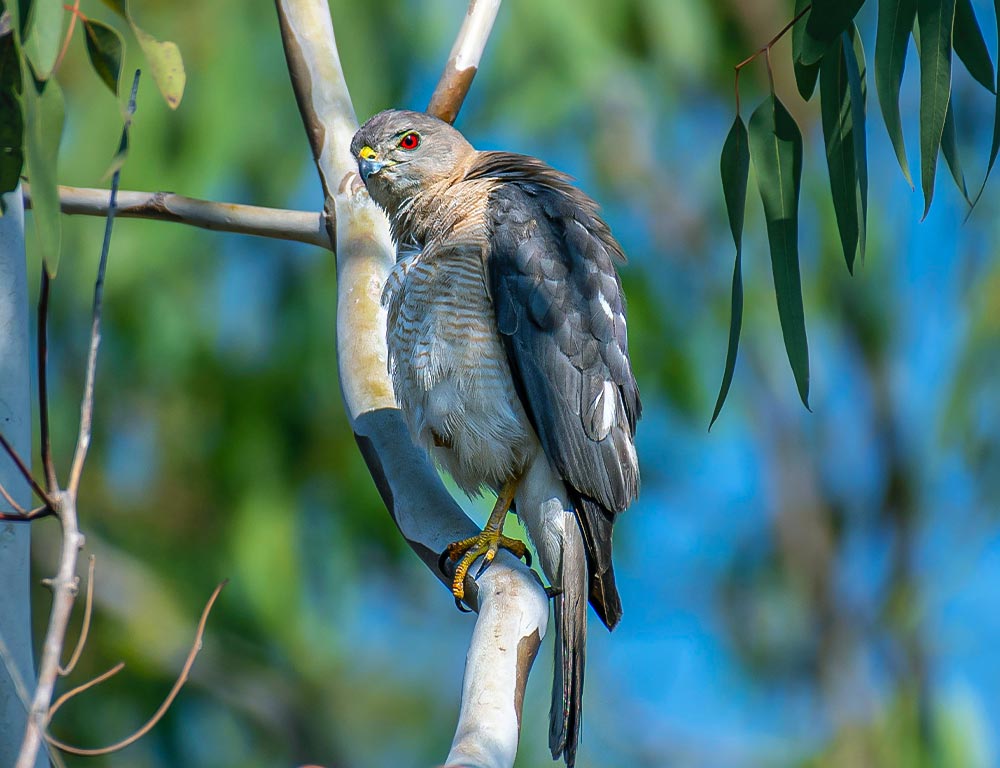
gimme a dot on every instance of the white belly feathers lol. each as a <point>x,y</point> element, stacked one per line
<point>449,369</point>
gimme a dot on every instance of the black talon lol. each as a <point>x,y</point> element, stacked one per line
<point>442,560</point>
<point>551,592</point>
<point>461,607</point>
<point>482,568</point>
<point>527,558</point>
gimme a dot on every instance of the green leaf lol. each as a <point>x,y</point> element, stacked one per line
<point>165,61</point>
<point>44,113</point>
<point>949,148</point>
<point>118,6</point>
<point>970,45</point>
<point>164,57</point>
<point>936,18</point>
<point>45,36</point>
<point>776,150</point>
<point>805,74</point>
<point>105,48</point>
<point>854,58</point>
<point>23,14</point>
<point>995,148</point>
<point>895,20</point>
<point>838,135</point>
<point>735,169</point>
<point>11,117</point>
<point>826,20</point>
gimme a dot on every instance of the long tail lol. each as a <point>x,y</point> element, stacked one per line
<point>570,608</point>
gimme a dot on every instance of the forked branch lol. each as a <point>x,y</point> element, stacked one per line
<point>513,608</point>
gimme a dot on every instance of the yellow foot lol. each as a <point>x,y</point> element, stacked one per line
<point>465,552</point>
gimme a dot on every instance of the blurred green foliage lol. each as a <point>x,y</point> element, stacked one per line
<point>221,448</point>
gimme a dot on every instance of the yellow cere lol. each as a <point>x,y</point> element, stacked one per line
<point>367,153</point>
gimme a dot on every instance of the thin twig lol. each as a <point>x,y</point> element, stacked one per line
<point>463,62</point>
<point>74,12</point>
<point>157,716</point>
<point>25,472</point>
<point>15,674</point>
<point>87,405</point>
<point>299,226</point>
<point>86,686</point>
<point>85,629</point>
<point>21,511</point>
<point>770,43</point>
<point>35,514</point>
<point>51,481</point>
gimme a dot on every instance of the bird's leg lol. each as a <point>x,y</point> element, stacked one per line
<point>487,543</point>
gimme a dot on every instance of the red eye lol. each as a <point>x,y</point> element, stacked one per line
<point>410,141</point>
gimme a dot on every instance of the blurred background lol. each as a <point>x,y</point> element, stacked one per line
<point>800,589</point>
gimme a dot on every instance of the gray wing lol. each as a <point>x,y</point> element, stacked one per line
<point>561,315</point>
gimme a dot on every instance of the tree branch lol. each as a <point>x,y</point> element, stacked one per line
<point>463,62</point>
<point>65,584</point>
<point>300,226</point>
<point>513,608</point>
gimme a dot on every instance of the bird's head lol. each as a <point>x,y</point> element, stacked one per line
<point>400,153</point>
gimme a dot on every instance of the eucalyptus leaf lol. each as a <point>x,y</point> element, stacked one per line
<point>838,135</point>
<point>857,80</point>
<point>995,148</point>
<point>936,18</point>
<point>44,116</point>
<point>164,57</point>
<point>11,117</point>
<point>826,21</point>
<point>23,15</point>
<point>895,20</point>
<point>805,74</point>
<point>166,64</point>
<point>45,36</point>
<point>735,169</point>
<point>776,151</point>
<point>106,48</point>
<point>970,46</point>
<point>949,148</point>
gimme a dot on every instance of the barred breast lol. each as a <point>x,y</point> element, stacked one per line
<point>449,370</point>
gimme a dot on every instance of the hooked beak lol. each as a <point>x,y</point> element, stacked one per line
<point>368,166</point>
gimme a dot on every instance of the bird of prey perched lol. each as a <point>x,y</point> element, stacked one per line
<point>509,359</point>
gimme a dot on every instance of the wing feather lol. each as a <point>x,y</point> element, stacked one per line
<point>561,315</point>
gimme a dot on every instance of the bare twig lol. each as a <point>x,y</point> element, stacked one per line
<point>300,226</point>
<point>21,511</point>
<point>85,628</point>
<point>81,688</point>
<point>36,514</point>
<point>87,405</point>
<point>463,62</point>
<point>158,715</point>
<point>25,472</point>
<point>43,387</point>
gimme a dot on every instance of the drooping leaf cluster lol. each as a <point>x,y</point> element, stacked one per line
<point>827,49</point>
<point>34,35</point>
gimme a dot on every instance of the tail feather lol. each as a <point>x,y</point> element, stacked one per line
<point>570,612</point>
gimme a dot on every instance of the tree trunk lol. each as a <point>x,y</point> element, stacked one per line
<point>17,673</point>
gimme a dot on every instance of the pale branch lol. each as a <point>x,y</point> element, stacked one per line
<point>299,226</point>
<point>65,584</point>
<point>512,605</point>
<point>463,62</point>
